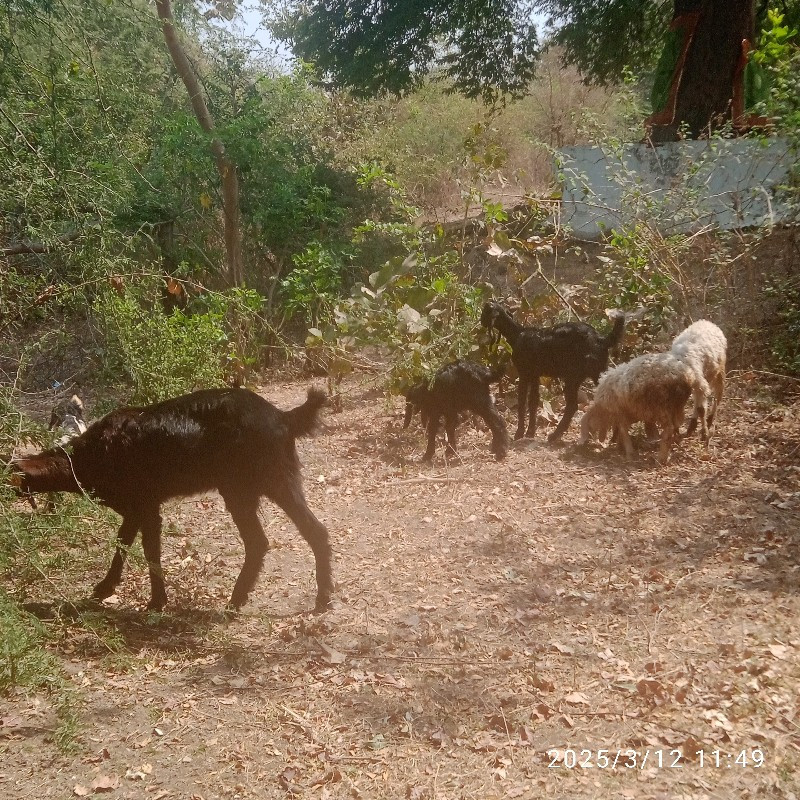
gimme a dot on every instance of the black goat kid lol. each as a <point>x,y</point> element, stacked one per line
<point>460,386</point>
<point>232,440</point>
<point>571,351</point>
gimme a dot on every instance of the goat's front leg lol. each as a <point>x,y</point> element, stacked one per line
<point>698,415</point>
<point>650,431</point>
<point>315,533</point>
<point>151,544</point>
<point>433,428</point>
<point>125,536</point>
<point>570,407</point>
<point>244,511</point>
<point>700,394</point>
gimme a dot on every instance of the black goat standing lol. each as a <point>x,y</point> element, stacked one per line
<point>232,440</point>
<point>571,351</point>
<point>460,386</point>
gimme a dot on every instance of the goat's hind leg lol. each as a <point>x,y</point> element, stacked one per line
<point>292,501</point>
<point>522,406</point>
<point>450,423</point>
<point>125,536</point>
<point>533,408</point>
<point>497,425</point>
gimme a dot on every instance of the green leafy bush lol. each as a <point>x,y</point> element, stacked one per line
<point>24,662</point>
<point>633,279</point>
<point>315,283</point>
<point>27,665</point>
<point>153,355</point>
<point>785,343</point>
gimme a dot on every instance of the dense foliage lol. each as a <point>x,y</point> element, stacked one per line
<point>483,48</point>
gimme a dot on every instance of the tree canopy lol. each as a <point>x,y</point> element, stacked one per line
<point>482,47</point>
<point>490,47</point>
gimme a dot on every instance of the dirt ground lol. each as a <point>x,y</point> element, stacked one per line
<point>560,625</point>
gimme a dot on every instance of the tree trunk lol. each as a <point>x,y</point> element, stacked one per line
<point>229,177</point>
<point>706,91</point>
<point>704,83</point>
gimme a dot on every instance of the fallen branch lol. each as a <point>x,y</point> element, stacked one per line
<point>22,248</point>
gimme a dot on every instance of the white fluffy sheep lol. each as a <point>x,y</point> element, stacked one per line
<point>703,348</point>
<point>652,389</point>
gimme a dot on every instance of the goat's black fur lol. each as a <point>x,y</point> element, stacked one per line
<point>571,351</point>
<point>232,440</point>
<point>460,386</point>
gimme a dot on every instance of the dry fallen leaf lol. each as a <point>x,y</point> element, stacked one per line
<point>330,655</point>
<point>778,650</point>
<point>105,783</point>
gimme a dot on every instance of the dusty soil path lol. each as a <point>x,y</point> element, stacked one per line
<point>557,625</point>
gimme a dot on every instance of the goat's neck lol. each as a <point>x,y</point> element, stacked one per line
<point>508,327</point>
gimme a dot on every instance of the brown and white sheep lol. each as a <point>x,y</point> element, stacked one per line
<point>652,389</point>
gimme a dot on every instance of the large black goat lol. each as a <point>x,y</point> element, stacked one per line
<point>571,351</point>
<point>232,440</point>
<point>460,386</point>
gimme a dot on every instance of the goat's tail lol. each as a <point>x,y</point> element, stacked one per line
<point>304,419</point>
<point>617,332</point>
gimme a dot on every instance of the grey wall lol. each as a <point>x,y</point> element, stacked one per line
<point>728,183</point>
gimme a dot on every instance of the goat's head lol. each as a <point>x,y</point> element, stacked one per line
<point>491,313</point>
<point>415,396</point>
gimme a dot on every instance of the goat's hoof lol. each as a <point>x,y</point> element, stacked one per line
<point>323,604</point>
<point>103,590</point>
<point>236,603</point>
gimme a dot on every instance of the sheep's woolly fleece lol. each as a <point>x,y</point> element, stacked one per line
<point>703,347</point>
<point>652,388</point>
